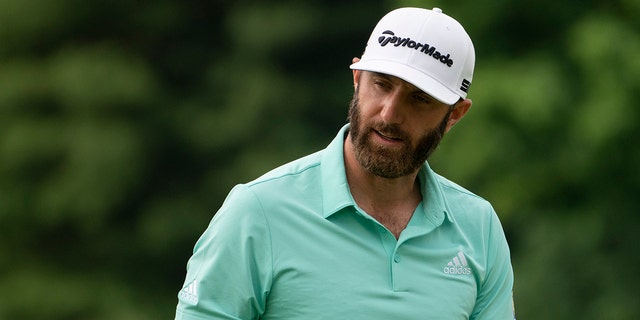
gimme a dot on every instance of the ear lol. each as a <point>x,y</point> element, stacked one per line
<point>459,110</point>
<point>356,73</point>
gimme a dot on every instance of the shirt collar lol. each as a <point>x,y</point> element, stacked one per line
<point>335,189</point>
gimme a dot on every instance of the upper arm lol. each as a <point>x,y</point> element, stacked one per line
<point>495,297</point>
<point>229,273</point>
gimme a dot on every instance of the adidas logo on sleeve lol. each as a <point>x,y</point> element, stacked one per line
<point>189,294</point>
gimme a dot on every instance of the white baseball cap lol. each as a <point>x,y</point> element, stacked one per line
<point>426,48</point>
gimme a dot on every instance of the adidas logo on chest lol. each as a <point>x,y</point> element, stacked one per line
<point>458,265</point>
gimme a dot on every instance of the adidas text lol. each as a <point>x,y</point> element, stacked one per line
<point>390,37</point>
<point>457,270</point>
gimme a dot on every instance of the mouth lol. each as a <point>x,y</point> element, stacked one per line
<point>388,137</point>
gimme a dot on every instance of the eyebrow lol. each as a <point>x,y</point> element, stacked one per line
<point>413,87</point>
<point>382,75</point>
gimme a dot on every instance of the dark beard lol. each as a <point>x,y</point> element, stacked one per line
<point>386,163</point>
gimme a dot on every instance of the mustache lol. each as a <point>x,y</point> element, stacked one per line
<point>389,130</point>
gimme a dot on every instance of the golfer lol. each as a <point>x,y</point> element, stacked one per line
<point>365,229</point>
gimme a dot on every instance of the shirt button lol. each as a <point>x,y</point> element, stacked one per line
<point>396,258</point>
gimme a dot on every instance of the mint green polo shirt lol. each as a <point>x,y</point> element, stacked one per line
<point>293,244</point>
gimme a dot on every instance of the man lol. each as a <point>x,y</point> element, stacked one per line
<point>365,229</point>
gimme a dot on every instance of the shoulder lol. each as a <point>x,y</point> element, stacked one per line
<point>292,170</point>
<point>281,187</point>
<point>456,194</point>
<point>471,212</point>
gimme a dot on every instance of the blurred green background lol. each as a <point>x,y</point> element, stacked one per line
<point>123,125</point>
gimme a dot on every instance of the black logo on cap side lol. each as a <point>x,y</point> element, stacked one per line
<point>389,36</point>
<point>465,85</point>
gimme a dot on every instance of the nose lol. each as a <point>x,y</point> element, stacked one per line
<point>392,109</point>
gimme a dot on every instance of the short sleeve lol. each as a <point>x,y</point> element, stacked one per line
<point>229,273</point>
<point>495,296</point>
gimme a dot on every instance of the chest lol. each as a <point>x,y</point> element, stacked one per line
<point>352,268</point>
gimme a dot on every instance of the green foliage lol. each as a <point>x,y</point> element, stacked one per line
<point>123,125</point>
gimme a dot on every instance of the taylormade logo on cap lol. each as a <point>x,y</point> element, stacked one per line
<point>407,42</point>
<point>426,48</point>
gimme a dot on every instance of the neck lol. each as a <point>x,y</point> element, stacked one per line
<point>387,200</point>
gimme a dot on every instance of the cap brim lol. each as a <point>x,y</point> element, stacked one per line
<point>423,81</point>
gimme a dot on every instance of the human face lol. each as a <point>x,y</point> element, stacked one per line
<point>390,130</point>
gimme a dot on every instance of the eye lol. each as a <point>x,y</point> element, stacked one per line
<point>382,84</point>
<point>423,99</point>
